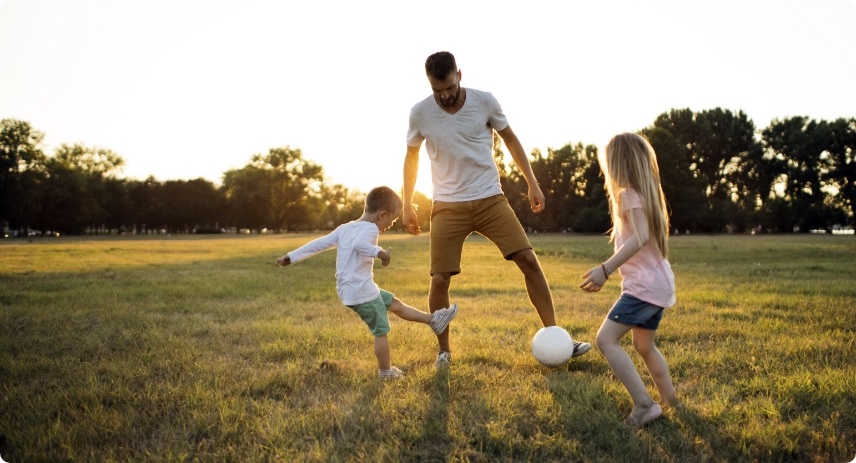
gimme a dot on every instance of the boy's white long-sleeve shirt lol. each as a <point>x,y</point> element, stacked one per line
<point>356,249</point>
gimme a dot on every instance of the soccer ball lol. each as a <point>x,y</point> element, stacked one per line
<point>552,346</point>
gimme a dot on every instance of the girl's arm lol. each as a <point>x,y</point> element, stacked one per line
<point>594,279</point>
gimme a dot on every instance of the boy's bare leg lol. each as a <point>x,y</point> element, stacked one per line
<point>408,313</point>
<point>381,350</point>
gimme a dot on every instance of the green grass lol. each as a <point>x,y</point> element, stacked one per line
<point>199,349</point>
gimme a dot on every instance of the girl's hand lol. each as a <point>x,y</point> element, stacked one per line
<point>593,280</point>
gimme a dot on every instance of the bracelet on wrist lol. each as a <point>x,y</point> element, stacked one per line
<point>605,270</point>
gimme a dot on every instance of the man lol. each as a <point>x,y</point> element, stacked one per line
<point>457,125</point>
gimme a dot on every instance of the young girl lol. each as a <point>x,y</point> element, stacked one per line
<point>640,232</point>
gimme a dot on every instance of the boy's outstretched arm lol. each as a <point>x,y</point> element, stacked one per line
<point>309,249</point>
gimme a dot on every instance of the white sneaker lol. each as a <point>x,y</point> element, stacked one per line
<point>580,348</point>
<point>392,373</point>
<point>440,319</point>
<point>444,359</point>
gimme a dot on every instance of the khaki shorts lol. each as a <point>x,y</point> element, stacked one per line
<point>453,222</point>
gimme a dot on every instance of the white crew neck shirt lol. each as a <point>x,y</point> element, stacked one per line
<point>460,145</point>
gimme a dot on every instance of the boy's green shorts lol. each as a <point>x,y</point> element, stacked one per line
<point>374,312</point>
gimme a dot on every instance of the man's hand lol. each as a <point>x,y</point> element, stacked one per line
<point>536,199</point>
<point>410,221</point>
<point>283,261</point>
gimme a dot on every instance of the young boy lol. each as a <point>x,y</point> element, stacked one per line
<point>356,248</point>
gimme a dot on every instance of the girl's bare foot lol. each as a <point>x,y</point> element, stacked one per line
<point>641,416</point>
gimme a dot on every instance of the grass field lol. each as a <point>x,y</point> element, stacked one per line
<point>199,349</point>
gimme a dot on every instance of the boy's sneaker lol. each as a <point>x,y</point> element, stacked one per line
<point>444,359</point>
<point>441,318</point>
<point>580,348</point>
<point>392,373</point>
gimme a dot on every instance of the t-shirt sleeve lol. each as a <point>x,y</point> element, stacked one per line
<point>497,120</point>
<point>414,136</point>
<point>630,199</point>
<point>366,243</point>
<point>315,246</point>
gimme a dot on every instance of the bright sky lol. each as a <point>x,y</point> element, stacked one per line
<point>193,88</point>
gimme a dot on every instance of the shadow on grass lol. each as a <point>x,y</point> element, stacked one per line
<point>435,443</point>
<point>594,419</point>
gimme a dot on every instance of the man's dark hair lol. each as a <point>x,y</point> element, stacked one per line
<point>383,199</point>
<point>440,65</point>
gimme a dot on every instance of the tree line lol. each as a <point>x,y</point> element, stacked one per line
<point>719,173</point>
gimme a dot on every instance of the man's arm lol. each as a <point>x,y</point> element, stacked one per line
<point>411,169</point>
<point>536,197</point>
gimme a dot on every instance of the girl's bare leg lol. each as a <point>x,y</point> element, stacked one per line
<point>643,342</point>
<point>607,341</point>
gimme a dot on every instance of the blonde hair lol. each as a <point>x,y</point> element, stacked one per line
<point>629,161</point>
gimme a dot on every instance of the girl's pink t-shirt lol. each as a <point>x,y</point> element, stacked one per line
<point>646,275</point>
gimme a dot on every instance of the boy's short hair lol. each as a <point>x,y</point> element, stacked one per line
<point>440,65</point>
<point>383,199</point>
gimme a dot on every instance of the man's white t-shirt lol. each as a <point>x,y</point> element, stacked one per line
<point>356,248</point>
<point>460,145</point>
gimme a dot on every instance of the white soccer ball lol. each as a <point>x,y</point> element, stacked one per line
<point>552,346</point>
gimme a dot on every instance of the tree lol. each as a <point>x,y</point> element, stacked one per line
<point>683,190</point>
<point>573,191</point>
<point>280,190</point>
<point>75,184</point>
<point>340,206</point>
<point>148,208</point>
<point>247,196</point>
<point>21,173</point>
<point>841,150</point>
<point>191,204</point>
<point>593,213</point>
<point>725,159</point>
<point>799,145</point>
<point>116,202</point>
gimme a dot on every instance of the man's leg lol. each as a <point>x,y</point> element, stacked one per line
<point>536,285</point>
<point>438,298</point>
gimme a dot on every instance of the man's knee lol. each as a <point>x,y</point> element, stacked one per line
<point>441,281</point>
<point>526,260</point>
